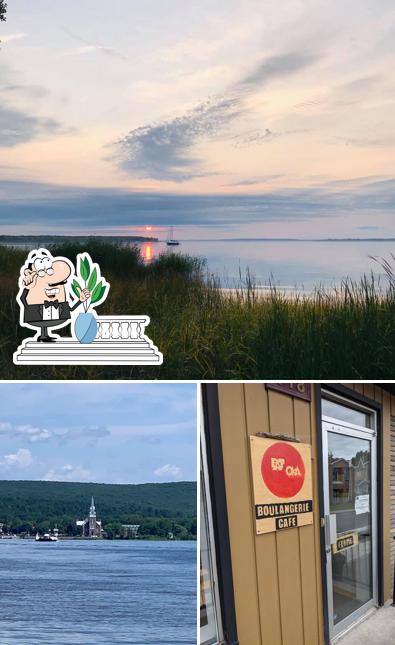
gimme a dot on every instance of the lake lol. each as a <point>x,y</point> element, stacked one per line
<point>76,592</point>
<point>289,264</point>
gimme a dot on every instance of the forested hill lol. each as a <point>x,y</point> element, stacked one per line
<point>27,505</point>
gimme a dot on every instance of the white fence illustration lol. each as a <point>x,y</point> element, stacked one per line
<point>120,340</point>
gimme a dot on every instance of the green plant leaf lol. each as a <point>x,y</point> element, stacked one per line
<point>87,265</point>
<point>98,292</point>
<point>84,268</point>
<point>92,280</point>
<point>76,288</point>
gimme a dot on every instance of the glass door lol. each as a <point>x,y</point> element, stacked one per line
<point>349,443</point>
<point>210,610</point>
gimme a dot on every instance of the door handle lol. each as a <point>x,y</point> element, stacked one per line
<point>327,534</point>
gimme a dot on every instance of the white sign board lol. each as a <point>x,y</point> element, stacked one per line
<point>362,504</point>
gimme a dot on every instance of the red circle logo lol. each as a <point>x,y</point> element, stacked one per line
<point>283,470</point>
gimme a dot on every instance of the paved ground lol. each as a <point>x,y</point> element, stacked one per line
<point>378,629</point>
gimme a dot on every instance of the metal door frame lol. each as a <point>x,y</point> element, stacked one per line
<point>205,499</point>
<point>348,429</point>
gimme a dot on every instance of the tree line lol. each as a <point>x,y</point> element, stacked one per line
<point>159,509</point>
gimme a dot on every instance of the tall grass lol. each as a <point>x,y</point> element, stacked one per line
<point>206,334</point>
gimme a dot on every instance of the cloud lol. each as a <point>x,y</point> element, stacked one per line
<point>164,150</point>
<point>91,433</point>
<point>168,471</point>
<point>30,91</point>
<point>35,434</point>
<point>89,47</point>
<point>31,206</point>
<point>277,67</point>
<point>27,432</point>
<point>149,430</point>
<point>68,473</point>
<point>9,167</point>
<point>21,459</point>
<point>254,181</point>
<point>11,37</point>
<point>17,127</point>
<point>368,142</point>
<point>360,84</point>
<point>255,137</point>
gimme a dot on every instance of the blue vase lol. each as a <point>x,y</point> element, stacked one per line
<point>85,327</point>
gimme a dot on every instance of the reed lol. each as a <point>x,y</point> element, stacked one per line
<point>204,333</point>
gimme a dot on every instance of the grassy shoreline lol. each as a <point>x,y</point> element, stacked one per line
<point>205,334</point>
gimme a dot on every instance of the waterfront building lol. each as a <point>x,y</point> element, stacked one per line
<point>297,511</point>
<point>91,526</point>
<point>130,530</point>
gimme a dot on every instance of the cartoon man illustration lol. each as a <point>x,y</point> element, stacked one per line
<point>42,295</point>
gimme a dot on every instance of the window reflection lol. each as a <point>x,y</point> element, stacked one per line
<point>344,413</point>
<point>349,462</point>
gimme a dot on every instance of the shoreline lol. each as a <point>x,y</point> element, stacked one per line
<point>87,539</point>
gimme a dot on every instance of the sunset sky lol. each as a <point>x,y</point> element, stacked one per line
<point>224,118</point>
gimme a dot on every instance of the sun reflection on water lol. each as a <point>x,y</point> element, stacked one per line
<point>147,252</point>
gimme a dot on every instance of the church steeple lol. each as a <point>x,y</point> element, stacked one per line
<point>92,510</point>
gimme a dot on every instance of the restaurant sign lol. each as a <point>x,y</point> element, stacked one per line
<point>299,390</point>
<point>345,541</point>
<point>281,474</point>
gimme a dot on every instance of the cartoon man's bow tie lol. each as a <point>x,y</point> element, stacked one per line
<point>51,303</point>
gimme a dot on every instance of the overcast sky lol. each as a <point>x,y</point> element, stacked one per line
<point>114,116</point>
<point>98,432</point>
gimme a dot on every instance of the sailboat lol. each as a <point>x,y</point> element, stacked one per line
<point>170,238</point>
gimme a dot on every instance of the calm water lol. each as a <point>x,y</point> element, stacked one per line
<point>288,264</point>
<point>96,593</point>
<point>291,264</point>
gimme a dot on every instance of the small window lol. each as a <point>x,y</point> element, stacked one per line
<point>345,413</point>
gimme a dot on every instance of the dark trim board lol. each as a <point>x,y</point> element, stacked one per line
<point>378,408</point>
<point>215,464</point>
<point>320,465</point>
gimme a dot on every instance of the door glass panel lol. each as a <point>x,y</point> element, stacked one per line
<point>208,622</point>
<point>349,462</point>
<point>344,413</point>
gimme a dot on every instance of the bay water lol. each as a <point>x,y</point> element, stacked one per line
<point>108,592</point>
<point>289,264</point>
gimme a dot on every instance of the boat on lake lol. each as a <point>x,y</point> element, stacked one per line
<point>47,537</point>
<point>170,238</point>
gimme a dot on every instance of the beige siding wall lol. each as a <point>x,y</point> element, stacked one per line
<point>277,576</point>
<point>392,493</point>
<point>388,402</point>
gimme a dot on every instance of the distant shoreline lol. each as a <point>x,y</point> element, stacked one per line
<point>293,239</point>
<point>55,239</point>
<point>79,538</point>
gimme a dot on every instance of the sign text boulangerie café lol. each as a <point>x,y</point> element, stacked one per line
<point>281,472</point>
